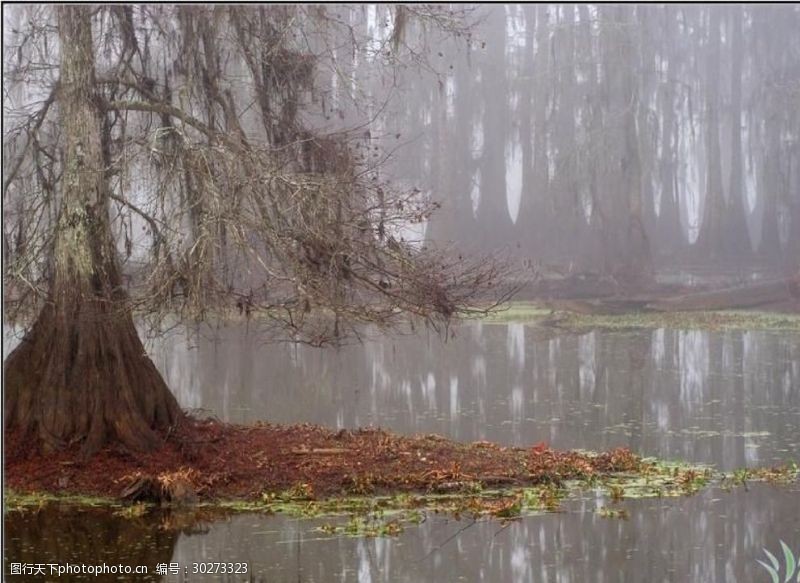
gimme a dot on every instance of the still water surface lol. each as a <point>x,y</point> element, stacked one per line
<point>724,398</point>
<point>728,399</point>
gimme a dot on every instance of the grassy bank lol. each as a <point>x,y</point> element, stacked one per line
<point>559,317</point>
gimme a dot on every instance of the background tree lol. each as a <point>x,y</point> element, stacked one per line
<point>652,138</point>
<point>182,164</point>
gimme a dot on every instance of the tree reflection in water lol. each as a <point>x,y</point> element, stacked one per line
<point>75,535</point>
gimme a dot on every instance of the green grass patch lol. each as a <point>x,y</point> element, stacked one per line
<point>19,501</point>
<point>533,314</point>
<point>524,312</point>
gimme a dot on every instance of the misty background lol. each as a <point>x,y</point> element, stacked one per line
<point>619,139</point>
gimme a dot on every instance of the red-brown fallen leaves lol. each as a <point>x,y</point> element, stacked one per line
<point>549,465</point>
<point>211,460</point>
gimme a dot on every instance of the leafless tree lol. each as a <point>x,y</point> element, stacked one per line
<point>186,160</point>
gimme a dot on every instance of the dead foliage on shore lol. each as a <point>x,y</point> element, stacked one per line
<point>206,460</point>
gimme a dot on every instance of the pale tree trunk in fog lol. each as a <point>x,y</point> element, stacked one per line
<point>713,211</point>
<point>782,110</point>
<point>438,159</point>
<point>627,247</point>
<point>647,120</point>
<point>771,185</point>
<point>639,262</point>
<point>771,179</point>
<point>565,192</point>
<point>495,222</point>
<point>591,159</point>
<point>736,235</point>
<point>456,220</point>
<point>523,227</point>
<point>464,115</point>
<point>669,230</point>
<point>535,218</point>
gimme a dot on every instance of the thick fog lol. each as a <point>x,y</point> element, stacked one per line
<point>616,138</point>
<point>612,139</point>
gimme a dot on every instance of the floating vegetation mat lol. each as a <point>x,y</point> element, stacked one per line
<point>390,515</point>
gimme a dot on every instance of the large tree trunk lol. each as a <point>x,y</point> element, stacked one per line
<point>81,374</point>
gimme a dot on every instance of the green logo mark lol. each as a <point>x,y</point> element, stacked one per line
<point>791,565</point>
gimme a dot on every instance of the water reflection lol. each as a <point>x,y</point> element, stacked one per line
<point>90,536</point>
<point>711,537</point>
<point>693,366</point>
<point>726,398</point>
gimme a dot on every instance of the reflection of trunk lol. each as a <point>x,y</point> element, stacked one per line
<point>639,360</point>
<point>88,536</point>
<point>81,373</point>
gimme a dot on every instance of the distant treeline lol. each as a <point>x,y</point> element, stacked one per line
<point>619,138</point>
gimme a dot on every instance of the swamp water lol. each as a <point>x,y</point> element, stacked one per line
<point>729,399</point>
